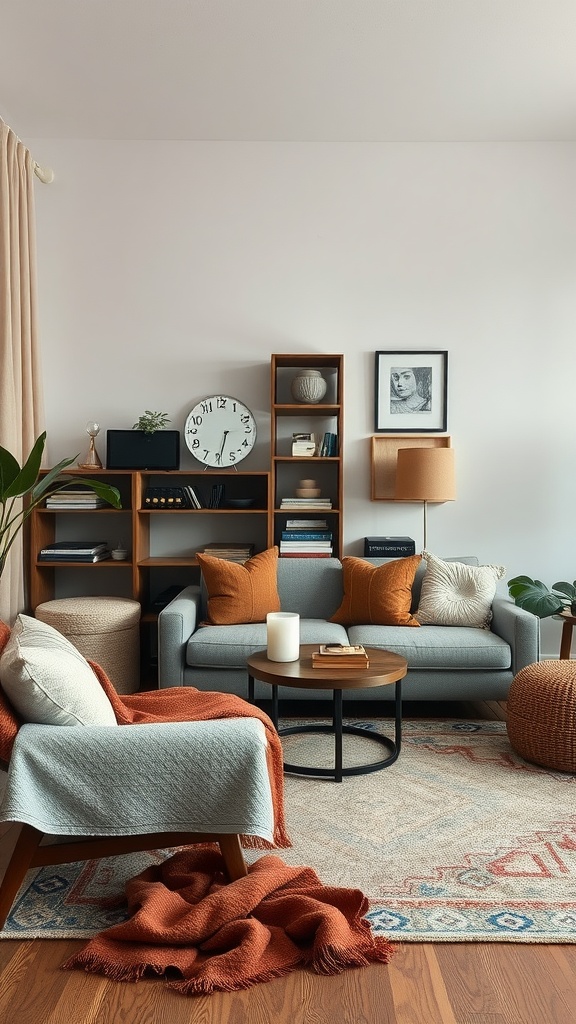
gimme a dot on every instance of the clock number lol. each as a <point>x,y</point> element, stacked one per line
<point>206,454</point>
<point>206,406</point>
<point>216,458</point>
<point>220,402</point>
<point>195,443</point>
<point>231,456</point>
<point>197,421</point>
<point>245,443</point>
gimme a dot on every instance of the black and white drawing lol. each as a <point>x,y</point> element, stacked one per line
<point>411,391</point>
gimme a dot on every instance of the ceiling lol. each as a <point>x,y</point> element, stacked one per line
<point>309,70</point>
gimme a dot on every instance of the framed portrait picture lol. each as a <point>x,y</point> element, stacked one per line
<point>411,392</point>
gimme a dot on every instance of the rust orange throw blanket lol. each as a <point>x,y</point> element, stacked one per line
<point>207,935</point>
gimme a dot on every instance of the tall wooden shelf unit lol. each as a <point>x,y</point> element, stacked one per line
<point>137,526</point>
<point>288,417</point>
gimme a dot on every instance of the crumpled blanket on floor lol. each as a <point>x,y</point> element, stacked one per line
<point>202,935</point>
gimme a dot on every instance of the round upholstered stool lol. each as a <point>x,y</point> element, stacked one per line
<point>105,630</point>
<point>541,714</point>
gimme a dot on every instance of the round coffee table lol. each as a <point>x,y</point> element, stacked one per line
<point>385,668</point>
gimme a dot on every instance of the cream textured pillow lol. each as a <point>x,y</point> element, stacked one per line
<point>48,681</point>
<point>455,594</point>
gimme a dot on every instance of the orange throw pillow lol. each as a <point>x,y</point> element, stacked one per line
<point>241,593</point>
<point>377,595</point>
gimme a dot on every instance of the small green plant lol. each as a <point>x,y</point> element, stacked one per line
<point>536,597</point>
<point>150,422</point>
<point>26,482</point>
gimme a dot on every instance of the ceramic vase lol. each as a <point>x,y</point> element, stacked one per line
<point>308,386</point>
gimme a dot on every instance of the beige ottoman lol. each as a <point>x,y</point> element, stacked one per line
<point>541,714</point>
<point>105,630</point>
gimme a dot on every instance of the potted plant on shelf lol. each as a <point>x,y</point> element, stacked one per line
<point>24,482</point>
<point>536,597</point>
<point>150,422</point>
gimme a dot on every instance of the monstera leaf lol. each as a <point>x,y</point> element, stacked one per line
<point>536,597</point>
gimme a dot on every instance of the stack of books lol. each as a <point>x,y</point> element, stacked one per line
<point>304,444</point>
<point>79,497</point>
<point>233,552</point>
<point>340,656</point>
<point>75,551</point>
<point>301,504</point>
<point>305,543</point>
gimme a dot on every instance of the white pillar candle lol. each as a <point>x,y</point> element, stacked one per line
<point>283,636</point>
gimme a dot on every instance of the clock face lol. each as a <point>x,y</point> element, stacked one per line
<point>220,431</point>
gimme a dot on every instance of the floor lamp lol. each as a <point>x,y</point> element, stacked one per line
<point>425,474</point>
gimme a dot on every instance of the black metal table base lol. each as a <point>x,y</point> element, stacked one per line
<point>338,729</point>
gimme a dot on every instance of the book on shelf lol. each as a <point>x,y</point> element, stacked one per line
<point>329,444</point>
<point>302,545</point>
<point>306,524</point>
<point>306,554</point>
<point>99,556</point>
<point>74,547</point>
<point>232,551</point>
<point>194,497</point>
<point>305,535</point>
<point>85,503</point>
<point>216,496</point>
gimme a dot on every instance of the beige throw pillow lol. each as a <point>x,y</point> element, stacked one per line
<point>455,594</point>
<point>48,681</point>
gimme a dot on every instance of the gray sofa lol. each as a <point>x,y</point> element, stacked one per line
<point>444,662</point>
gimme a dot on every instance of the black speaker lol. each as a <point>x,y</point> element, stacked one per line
<point>134,449</point>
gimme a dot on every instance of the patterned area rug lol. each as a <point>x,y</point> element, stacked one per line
<point>459,840</point>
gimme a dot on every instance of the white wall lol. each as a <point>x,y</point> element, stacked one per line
<point>172,270</point>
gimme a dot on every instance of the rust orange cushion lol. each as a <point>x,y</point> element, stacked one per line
<point>377,595</point>
<point>241,593</point>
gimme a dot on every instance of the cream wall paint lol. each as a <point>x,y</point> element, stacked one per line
<point>172,270</point>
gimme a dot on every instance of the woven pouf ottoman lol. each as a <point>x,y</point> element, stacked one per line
<point>105,630</point>
<point>541,714</point>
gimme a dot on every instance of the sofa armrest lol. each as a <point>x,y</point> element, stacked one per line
<point>176,623</point>
<point>519,628</point>
<point>139,779</point>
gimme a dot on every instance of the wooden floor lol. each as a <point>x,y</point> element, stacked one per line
<point>425,983</point>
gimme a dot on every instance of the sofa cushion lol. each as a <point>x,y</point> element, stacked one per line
<point>438,647</point>
<point>48,681</point>
<point>230,646</point>
<point>240,593</point>
<point>378,595</point>
<point>454,594</point>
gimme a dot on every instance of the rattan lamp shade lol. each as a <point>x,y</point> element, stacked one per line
<point>425,474</point>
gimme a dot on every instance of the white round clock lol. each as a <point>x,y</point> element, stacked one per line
<point>220,431</point>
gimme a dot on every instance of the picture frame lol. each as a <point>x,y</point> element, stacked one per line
<point>411,391</point>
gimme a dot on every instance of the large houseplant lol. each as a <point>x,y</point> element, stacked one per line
<point>536,597</point>
<point>24,482</point>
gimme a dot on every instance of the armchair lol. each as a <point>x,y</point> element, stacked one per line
<point>185,774</point>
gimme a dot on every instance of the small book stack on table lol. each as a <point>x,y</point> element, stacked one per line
<point>340,656</point>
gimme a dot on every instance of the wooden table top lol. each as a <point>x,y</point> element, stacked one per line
<point>385,667</point>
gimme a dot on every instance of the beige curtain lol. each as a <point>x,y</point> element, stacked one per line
<point>21,405</point>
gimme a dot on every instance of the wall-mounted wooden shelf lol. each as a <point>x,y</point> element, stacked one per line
<point>384,455</point>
